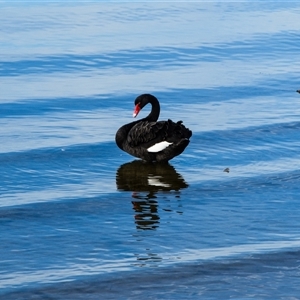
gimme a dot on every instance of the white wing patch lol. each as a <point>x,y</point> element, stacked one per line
<point>159,146</point>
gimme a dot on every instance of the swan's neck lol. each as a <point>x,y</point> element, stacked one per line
<point>154,114</point>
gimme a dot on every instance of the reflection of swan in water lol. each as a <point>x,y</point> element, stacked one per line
<point>145,180</point>
<point>140,176</point>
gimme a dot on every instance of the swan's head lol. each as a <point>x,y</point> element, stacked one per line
<point>141,101</point>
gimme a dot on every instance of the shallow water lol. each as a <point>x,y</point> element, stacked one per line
<point>80,219</point>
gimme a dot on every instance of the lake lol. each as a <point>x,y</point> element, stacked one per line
<point>80,219</point>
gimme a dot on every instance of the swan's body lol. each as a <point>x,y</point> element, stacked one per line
<point>151,140</point>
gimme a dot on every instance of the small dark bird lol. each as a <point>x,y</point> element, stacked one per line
<point>298,91</point>
<point>152,140</point>
<point>226,170</point>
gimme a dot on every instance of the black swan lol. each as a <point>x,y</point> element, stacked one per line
<point>151,140</point>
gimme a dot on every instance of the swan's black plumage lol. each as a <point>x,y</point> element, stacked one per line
<point>137,137</point>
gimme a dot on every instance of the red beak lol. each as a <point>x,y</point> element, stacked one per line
<point>136,110</point>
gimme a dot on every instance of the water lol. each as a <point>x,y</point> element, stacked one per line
<point>80,219</point>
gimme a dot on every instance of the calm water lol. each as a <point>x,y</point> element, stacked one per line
<point>80,219</point>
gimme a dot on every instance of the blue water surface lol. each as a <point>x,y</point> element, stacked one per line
<point>80,219</point>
